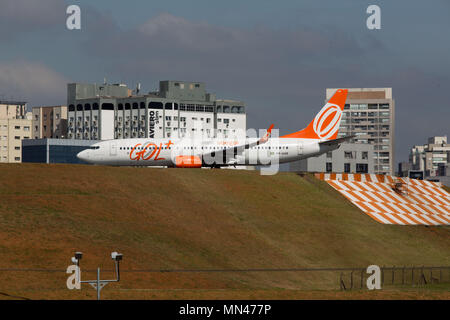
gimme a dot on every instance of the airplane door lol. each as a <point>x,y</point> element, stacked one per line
<point>300,149</point>
<point>113,149</point>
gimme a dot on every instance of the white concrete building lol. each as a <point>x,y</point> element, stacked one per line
<point>178,108</point>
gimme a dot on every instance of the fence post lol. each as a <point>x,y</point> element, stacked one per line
<point>403,275</point>
<point>393,273</point>
<point>422,277</point>
<point>362,278</point>
<point>351,280</point>
<point>412,275</point>
<point>341,283</point>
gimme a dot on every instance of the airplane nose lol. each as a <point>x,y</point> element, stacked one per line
<point>83,155</point>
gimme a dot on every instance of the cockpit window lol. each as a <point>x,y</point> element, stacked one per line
<point>94,147</point>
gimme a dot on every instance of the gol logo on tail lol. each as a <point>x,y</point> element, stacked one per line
<point>145,153</point>
<point>326,123</point>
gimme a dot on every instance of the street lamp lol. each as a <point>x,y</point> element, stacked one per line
<point>99,284</point>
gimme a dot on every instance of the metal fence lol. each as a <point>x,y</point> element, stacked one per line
<point>396,276</point>
<point>19,283</point>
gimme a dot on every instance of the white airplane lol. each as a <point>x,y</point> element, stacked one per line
<point>318,137</point>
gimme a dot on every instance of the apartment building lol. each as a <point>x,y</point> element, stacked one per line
<point>49,122</point>
<point>15,126</point>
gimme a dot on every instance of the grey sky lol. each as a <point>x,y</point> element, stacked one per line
<point>278,57</point>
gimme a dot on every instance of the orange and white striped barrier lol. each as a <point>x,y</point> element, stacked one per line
<point>418,202</point>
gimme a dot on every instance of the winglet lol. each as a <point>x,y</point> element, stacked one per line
<point>267,135</point>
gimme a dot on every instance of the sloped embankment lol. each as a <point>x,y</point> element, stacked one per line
<point>190,219</point>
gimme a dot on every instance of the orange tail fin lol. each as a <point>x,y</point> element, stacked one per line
<point>325,125</point>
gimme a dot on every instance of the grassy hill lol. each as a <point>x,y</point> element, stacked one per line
<point>194,219</point>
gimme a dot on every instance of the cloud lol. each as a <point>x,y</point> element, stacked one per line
<point>167,35</point>
<point>21,16</point>
<point>167,46</point>
<point>32,82</point>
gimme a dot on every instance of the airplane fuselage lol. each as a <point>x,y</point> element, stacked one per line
<point>212,153</point>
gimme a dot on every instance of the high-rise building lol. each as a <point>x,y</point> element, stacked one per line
<point>369,114</point>
<point>49,122</point>
<point>431,158</point>
<point>15,125</point>
<point>99,112</point>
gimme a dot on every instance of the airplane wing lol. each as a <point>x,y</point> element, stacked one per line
<point>238,149</point>
<point>336,141</point>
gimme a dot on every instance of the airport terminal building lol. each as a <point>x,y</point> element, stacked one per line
<point>113,111</point>
<point>54,150</point>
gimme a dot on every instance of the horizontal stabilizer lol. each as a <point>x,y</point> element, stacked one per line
<point>336,141</point>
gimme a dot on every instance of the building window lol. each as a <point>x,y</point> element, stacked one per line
<point>110,106</point>
<point>348,155</point>
<point>329,167</point>
<point>17,137</point>
<point>329,154</point>
<point>155,105</point>
<point>347,167</point>
<point>17,158</point>
<point>362,168</point>
<point>365,155</point>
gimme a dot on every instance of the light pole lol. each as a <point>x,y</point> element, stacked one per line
<point>99,284</point>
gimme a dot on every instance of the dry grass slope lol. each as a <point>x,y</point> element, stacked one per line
<point>193,219</point>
